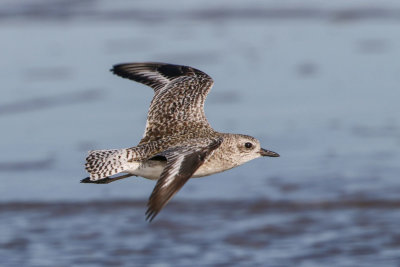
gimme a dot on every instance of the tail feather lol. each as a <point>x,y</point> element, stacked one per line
<point>104,163</point>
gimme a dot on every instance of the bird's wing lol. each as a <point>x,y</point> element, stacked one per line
<point>177,107</point>
<point>182,163</point>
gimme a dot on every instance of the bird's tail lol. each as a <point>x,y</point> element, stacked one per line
<point>104,163</point>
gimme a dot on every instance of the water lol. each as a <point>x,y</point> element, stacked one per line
<point>317,83</point>
<point>257,232</point>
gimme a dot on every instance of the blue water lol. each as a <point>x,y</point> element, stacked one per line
<point>316,82</point>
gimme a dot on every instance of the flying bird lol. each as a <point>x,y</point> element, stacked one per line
<point>178,142</point>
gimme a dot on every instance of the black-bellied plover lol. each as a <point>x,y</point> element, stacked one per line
<point>178,142</point>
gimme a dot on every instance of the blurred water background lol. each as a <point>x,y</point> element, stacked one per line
<point>317,82</point>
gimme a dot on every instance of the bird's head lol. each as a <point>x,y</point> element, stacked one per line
<point>249,148</point>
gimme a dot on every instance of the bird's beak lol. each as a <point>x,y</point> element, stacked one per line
<point>268,153</point>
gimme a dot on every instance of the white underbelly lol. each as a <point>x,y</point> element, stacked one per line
<point>152,170</point>
<point>149,169</point>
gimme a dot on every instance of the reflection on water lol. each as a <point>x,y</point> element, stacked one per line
<point>318,84</point>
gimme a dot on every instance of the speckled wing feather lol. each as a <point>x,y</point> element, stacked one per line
<point>177,107</point>
<point>182,163</point>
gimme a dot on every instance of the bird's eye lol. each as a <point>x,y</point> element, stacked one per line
<point>248,145</point>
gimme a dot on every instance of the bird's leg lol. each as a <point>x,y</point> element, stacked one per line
<point>106,180</point>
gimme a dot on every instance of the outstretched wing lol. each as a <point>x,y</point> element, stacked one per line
<point>177,107</point>
<point>182,163</point>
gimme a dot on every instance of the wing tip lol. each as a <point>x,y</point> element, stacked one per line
<point>166,69</point>
<point>118,69</point>
<point>150,214</point>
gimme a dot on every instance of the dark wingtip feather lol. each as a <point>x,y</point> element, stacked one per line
<point>140,72</point>
<point>150,215</point>
<point>119,69</point>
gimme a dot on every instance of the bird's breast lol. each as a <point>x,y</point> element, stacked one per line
<point>212,166</point>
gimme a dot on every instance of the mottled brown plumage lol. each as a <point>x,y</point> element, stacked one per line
<point>177,107</point>
<point>178,142</point>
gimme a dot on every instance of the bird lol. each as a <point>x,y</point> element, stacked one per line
<point>178,141</point>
